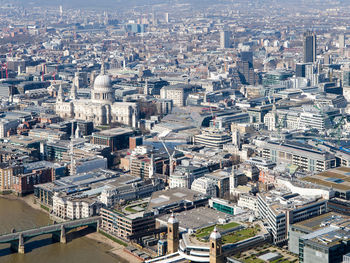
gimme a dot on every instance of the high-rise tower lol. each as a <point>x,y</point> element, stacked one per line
<point>310,47</point>
<point>225,39</point>
<point>341,41</point>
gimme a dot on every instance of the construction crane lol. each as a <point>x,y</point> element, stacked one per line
<point>171,156</point>
<point>212,117</point>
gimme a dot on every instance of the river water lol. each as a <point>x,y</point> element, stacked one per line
<point>17,214</point>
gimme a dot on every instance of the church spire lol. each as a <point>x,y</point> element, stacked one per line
<point>73,92</point>
<point>103,71</point>
<point>60,97</point>
<point>92,79</point>
<point>145,91</point>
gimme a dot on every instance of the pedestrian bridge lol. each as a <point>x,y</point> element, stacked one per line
<point>58,231</point>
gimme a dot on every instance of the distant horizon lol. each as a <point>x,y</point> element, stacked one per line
<point>135,3</point>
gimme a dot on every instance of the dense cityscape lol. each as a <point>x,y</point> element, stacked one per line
<point>175,131</point>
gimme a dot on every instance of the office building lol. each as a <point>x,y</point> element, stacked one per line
<point>135,141</point>
<point>337,179</point>
<point>306,157</point>
<point>339,206</point>
<point>71,208</point>
<point>341,40</point>
<point>246,72</point>
<point>225,206</point>
<point>144,166</point>
<point>221,180</point>
<point>128,188</point>
<point>73,184</point>
<point>176,199</point>
<point>225,39</point>
<point>282,208</point>
<point>323,239</point>
<point>124,224</point>
<point>346,78</point>
<point>300,70</point>
<point>117,138</point>
<point>212,138</point>
<point>248,201</point>
<point>8,127</point>
<point>204,186</point>
<point>7,176</point>
<point>310,47</point>
<point>184,175</point>
<point>177,93</point>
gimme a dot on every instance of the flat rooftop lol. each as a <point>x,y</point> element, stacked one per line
<point>196,218</point>
<point>321,221</point>
<point>219,174</point>
<point>338,179</point>
<point>70,184</point>
<point>23,140</point>
<point>114,132</point>
<point>281,200</point>
<point>174,195</point>
<point>328,236</point>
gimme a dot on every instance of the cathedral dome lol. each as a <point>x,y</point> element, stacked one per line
<point>102,81</point>
<point>103,91</point>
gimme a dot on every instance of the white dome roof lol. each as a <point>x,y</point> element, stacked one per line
<point>215,234</point>
<point>173,219</point>
<point>103,81</point>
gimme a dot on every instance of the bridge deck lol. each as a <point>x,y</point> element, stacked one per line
<point>6,238</point>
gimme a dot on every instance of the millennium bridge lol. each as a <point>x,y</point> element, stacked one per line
<point>58,231</point>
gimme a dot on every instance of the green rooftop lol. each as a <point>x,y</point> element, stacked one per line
<point>241,235</point>
<point>201,233</point>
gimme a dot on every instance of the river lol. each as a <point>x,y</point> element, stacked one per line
<point>17,214</point>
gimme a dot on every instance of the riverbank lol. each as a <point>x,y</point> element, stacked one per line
<point>28,199</point>
<point>117,250</point>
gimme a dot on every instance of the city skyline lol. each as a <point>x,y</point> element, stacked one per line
<point>174,131</point>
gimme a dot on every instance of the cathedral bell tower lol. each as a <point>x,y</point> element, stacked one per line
<point>73,92</point>
<point>60,97</point>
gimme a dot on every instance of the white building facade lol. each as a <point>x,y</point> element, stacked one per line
<point>101,108</point>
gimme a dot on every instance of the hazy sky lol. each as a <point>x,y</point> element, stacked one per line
<point>89,3</point>
<point>132,3</point>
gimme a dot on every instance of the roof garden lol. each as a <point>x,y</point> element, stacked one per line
<point>205,232</point>
<point>237,234</point>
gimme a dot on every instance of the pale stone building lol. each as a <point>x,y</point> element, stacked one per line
<point>101,108</point>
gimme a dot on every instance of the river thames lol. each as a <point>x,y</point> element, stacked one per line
<point>17,214</point>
